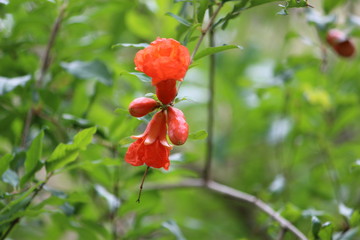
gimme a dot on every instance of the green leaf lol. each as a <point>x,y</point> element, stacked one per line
<point>33,155</point>
<point>66,153</point>
<point>179,19</point>
<point>5,162</point>
<point>213,50</point>
<point>326,231</point>
<point>174,229</point>
<point>9,84</point>
<point>89,70</point>
<point>199,135</point>
<point>355,219</point>
<point>141,76</point>
<point>135,45</point>
<point>315,227</point>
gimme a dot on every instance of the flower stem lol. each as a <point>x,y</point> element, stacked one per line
<point>142,184</point>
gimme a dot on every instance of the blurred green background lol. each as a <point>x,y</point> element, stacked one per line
<point>287,126</point>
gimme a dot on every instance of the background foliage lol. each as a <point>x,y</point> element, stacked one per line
<point>286,121</point>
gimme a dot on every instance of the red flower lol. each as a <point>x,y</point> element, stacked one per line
<point>151,147</point>
<point>163,60</point>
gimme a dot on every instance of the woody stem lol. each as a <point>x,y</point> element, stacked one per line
<point>210,127</point>
<point>205,29</point>
<point>142,183</point>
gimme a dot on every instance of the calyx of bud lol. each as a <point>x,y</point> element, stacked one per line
<point>178,129</point>
<point>142,106</point>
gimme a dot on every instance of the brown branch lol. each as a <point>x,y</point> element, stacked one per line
<point>205,29</point>
<point>238,195</point>
<point>210,117</point>
<point>45,64</point>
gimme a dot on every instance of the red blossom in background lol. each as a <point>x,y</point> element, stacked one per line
<point>341,43</point>
<point>151,147</point>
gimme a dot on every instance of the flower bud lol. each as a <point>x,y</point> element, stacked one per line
<point>166,91</point>
<point>345,49</point>
<point>178,129</point>
<point>142,106</point>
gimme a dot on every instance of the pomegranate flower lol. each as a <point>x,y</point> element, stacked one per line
<point>151,147</point>
<point>163,60</point>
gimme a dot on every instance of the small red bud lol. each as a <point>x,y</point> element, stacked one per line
<point>166,91</point>
<point>178,129</point>
<point>142,106</point>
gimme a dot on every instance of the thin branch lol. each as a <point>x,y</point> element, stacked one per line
<point>236,194</point>
<point>210,117</point>
<point>54,33</point>
<point>26,128</point>
<point>205,29</point>
<point>219,188</point>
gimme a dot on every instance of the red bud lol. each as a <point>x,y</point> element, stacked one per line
<point>166,91</point>
<point>178,129</point>
<point>345,49</point>
<point>142,106</point>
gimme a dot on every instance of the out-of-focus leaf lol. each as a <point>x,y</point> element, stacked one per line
<point>10,177</point>
<point>174,229</point>
<point>345,211</point>
<point>355,219</point>
<point>135,45</point>
<point>5,2</point>
<point>199,135</point>
<point>89,70</point>
<point>5,162</point>
<point>77,121</point>
<point>179,19</point>
<point>9,84</point>
<point>111,199</point>
<point>33,156</point>
<point>291,212</point>
<point>213,50</point>
<point>326,231</point>
<point>66,153</point>
<point>315,227</point>
<point>321,22</point>
<point>329,5</point>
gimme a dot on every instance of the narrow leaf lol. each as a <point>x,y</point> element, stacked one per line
<point>213,50</point>
<point>135,45</point>
<point>199,135</point>
<point>66,153</point>
<point>179,19</point>
<point>5,162</point>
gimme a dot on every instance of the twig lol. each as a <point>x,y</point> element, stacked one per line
<point>238,195</point>
<point>54,32</point>
<point>114,211</point>
<point>142,183</point>
<point>205,30</point>
<point>210,127</point>
<point>219,188</point>
<point>26,128</point>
